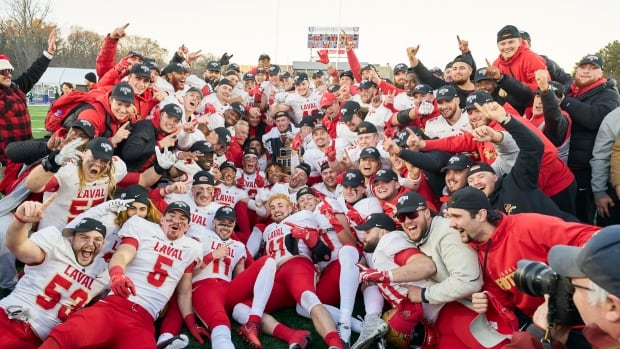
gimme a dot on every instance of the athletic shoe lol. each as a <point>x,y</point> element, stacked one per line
<point>177,342</point>
<point>373,328</point>
<point>250,332</point>
<point>344,331</point>
<point>300,340</point>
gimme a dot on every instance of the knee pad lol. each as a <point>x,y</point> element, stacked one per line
<point>308,300</point>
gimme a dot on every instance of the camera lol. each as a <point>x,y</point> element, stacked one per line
<point>537,279</point>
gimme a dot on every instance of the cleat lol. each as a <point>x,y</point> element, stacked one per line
<point>373,328</point>
<point>250,332</point>
<point>177,342</point>
<point>344,331</point>
<point>300,340</point>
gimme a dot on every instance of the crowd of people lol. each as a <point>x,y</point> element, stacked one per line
<point>162,197</point>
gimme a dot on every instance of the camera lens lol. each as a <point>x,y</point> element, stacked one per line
<point>535,278</point>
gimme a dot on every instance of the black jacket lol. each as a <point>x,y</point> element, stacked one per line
<point>518,192</point>
<point>138,150</point>
<point>587,112</point>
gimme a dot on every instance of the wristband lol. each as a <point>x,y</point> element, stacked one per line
<point>19,219</point>
<point>116,270</point>
<point>403,116</point>
<point>158,169</point>
<point>208,258</point>
<point>48,163</point>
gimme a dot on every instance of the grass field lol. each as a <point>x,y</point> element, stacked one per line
<point>287,316</point>
<point>37,115</point>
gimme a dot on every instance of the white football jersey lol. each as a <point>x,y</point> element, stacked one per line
<point>383,259</point>
<point>328,235</point>
<point>158,264</point>
<point>229,196</point>
<point>302,106</point>
<point>249,181</point>
<point>53,289</point>
<point>72,200</point>
<point>315,158</point>
<point>218,268</point>
<point>201,215</point>
<point>322,188</point>
<point>438,127</point>
<point>279,242</point>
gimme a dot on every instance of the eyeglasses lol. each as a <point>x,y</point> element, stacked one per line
<point>411,215</point>
<point>6,72</point>
<point>572,287</point>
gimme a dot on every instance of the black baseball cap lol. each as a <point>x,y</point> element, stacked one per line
<point>179,206</point>
<point>225,212</point>
<point>410,202</point>
<point>274,69</point>
<point>141,70</point>
<point>446,93</point>
<point>203,177</point>
<point>174,67</point>
<point>85,225</point>
<point>458,163</point>
<point>203,147</point>
<point>249,76</point>
<point>228,164</point>
<point>214,66</point>
<point>365,84</point>
<point>173,110</point>
<point>234,66</point>
<point>101,148</point>
<point>304,167</point>
<point>480,167</point>
<point>136,192</point>
<point>481,74</point>
<point>422,88</point>
<point>225,81</point>
<point>400,67</point>
<point>348,74</point>
<point>592,59</point>
<point>508,32</point>
<point>385,175</point>
<point>470,198</point>
<point>353,178</point>
<point>348,109</point>
<point>123,92</point>
<point>377,220</point>
<point>370,152</point>
<point>480,97</point>
<point>366,127</point>
<point>305,191</point>
<point>85,126</point>
<point>238,108</point>
<point>224,137</point>
<point>300,77</point>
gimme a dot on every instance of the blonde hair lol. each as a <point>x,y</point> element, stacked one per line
<point>109,173</point>
<point>152,215</point>
<point>279,196</point>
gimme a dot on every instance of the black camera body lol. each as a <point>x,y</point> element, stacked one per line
<point>537,279</point>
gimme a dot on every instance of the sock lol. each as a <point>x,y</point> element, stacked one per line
<point>254,241</point>
<point>254,318</point>
<point>373,300</point>
<point>333,340</point>
<point>283,332</point>
<point>221,338</point>
<point>262,287</point>
<point>348,282</point>
<point>241,313</point>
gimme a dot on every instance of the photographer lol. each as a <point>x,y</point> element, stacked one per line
<point>502,240</point>
<point>596,293</point>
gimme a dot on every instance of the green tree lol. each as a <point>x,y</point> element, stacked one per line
<point>611,57</point>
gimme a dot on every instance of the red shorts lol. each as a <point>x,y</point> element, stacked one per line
<point>16,334</point>
<point>208,299</point>
<point>242,286</point>
<point>113,322</point>
<point>293,278</point>
<point>328,287</point>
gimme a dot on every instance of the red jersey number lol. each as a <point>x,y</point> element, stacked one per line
<point>158,276</point>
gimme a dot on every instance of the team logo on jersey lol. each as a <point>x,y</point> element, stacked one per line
<point>508,208</point>
<point>402,199</point>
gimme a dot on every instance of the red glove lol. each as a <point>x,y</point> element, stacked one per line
<point>260,181</point>
<point>330,152</point>
<point>296,144</point>
<point>323,58</point>
<point>122,67</point>
<point>355,217</point>
<point>196,331</point>
<point>389,131</point>
<point>254,91</point>
<point>374,275</point>
<point>209,109</point>
<point>119,282</point>
<point>309,236</point>
<point>241,182</point>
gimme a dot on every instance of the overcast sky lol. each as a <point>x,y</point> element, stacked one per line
<point>563,30</point>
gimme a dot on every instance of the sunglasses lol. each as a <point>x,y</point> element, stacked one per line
<point>411,215</point>
<point>6,72</point>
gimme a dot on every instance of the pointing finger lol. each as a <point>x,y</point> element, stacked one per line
<point>458,38</point>
<point>126,25</point>
<point>488,63</point>
<point>49,200</point>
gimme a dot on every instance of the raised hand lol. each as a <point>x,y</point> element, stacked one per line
<point>492,71</point>
<point>541,79</point>
<point>121,134</point>
<point>170,140</point>
<point>69,152</point>
<point>463,45</point>
<point>51,42</point>
<point>118,205</point>
<point>32,211</point>
<point>412,53</point>
<point>119,32</point>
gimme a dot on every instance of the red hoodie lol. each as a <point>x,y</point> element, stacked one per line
<point>523,236</point>
<point>104,122</point>
<point>522,66</point>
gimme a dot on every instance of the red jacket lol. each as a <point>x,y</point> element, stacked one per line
<point>105,58</point>
<point>234,152</point>
<point>104,122</point>
<point>523,236</point>
<point>522,66</point>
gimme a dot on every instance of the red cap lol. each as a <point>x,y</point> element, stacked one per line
<point>327,99</point>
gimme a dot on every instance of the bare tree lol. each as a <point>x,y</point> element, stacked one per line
<point>79,49</point>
